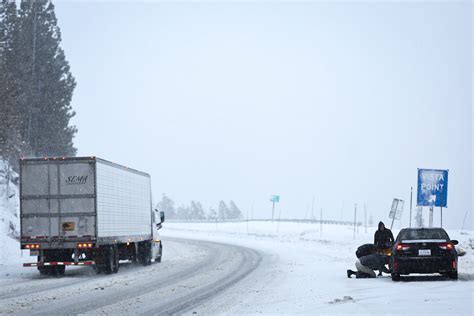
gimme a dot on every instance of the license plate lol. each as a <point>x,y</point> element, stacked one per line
<point>34,253</point>
<point>424,252</point>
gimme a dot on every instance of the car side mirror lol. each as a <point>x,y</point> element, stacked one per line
<point>454,242</point>
<point>162,216</point>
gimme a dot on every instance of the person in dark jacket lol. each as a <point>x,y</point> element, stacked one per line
<point>383,238</point>
<point>367,264</point>
<point>365,250</point>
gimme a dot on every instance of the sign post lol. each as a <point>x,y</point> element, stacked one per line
<point>355,219</point>
<point>396,210</point>
<point>274,199</point>
<point>432,190</point>
<point>411,203</point>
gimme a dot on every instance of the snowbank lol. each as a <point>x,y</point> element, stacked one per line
<point>304,272</point>
<point>9,215</point>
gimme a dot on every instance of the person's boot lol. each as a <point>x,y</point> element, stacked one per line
<point>350,273</point>
<point>362,275</point>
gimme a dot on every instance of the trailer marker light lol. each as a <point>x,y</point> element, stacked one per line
<point>85,245</point>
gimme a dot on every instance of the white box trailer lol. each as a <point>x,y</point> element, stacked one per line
<point>86,211</point>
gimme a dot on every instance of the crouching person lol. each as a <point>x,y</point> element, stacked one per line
<point>367,264</point>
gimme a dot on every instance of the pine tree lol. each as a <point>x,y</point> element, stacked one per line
<point>12,145</point>
<point>212,215</point>
<point>46,81</point>
<point>36,84</point>
<point>167,205</point>
<point>223,211</point>
<point>183,212</point>
<point>197,211</point>
<point>234,211</point>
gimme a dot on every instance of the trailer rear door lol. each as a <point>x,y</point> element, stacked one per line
<point>57,198</point>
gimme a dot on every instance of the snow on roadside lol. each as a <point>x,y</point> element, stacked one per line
<point>9,218</point>
<point>341,236</point>
<point>304,272</point>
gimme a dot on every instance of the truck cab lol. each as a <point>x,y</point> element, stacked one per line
<point>158,220</point>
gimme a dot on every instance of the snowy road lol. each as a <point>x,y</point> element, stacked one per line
<point>191,273</point>
<point>239,268</point>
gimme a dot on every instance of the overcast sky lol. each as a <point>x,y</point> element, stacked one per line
<point>337,100</point>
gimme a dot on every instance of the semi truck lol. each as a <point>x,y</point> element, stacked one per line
<point>78,211</point>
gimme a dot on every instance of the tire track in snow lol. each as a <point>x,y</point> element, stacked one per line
<point>142,291</point>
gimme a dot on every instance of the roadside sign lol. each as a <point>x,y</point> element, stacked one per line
<point>397,209</point>
<point>275,198</point>
<point>432,187</point>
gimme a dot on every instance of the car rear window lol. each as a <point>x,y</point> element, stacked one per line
<point>416,234</point>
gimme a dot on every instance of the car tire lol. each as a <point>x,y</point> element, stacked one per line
<point>454,275</point>
<point>396,277</point>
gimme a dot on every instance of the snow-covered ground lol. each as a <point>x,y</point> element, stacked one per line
<point>305,272</point>
<point>9,220</point>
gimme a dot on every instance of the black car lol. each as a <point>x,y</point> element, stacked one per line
<point>424,250</point>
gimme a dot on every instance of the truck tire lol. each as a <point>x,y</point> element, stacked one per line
<point>60,269</point>
<point>158,259</point>
<point>45,270</point>
<point>109,260</point>
<point>144,253</point>
<point>116,258</point>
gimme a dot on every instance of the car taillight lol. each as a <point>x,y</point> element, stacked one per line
<point>83,245</point>
<point>401,247</point>
<point>32,246</point>
<point>446,246</point>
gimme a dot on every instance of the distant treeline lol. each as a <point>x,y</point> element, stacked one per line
<point>195,210</point>
<point>36,84</point>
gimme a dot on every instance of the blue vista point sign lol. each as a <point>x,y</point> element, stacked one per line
<point>432,187</point>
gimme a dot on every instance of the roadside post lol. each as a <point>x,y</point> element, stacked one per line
<point>432,190</point>
<point>355,219</point>
<point>411,203</point>
<point>396,210</point>
<point>365,217</point>
<point>274,199</point>
<point>321,223</point>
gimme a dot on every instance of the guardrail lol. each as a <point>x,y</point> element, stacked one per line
<point>309,221</point>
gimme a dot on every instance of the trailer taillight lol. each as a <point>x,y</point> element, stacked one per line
<point>83,245</point>
<point>32,246</point>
